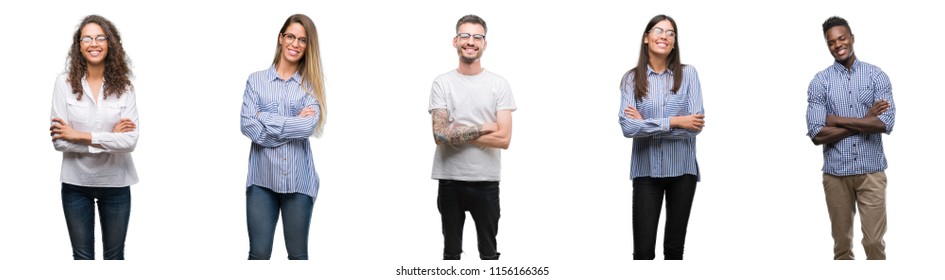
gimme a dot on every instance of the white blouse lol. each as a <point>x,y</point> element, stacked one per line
<point>107,162</point>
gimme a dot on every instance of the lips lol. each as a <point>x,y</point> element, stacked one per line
<point>842,52</point>
<point>95,53</point>
<point>293,52</point>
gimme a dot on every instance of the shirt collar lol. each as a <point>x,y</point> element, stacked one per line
<point>649,71</point>
<point>839,66</point>
<point>273,75</point>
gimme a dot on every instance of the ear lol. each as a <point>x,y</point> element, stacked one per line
<point>455,41</point>
<point>852,38</point>
<point>279,39</point>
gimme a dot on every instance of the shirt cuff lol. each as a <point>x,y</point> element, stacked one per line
<point>96,140</point>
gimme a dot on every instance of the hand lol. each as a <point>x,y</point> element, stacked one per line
<point>489,128</point>
<point>61,130</point>
<point>125,125</point>
<point>307,112</point>
<point>691,122</point>
<point>878,108</point>
<point>632,113</point>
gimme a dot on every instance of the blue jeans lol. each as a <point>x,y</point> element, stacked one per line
<point>114,207</point>
<point>262,213</point>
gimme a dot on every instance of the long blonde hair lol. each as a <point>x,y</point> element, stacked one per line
<point>310,66</point>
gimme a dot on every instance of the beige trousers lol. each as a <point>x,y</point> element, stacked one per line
<point>844,195</point>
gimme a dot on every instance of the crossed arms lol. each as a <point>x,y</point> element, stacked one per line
<point>492,135</point>
<point>836,127</point>
<point>824,128</point>
<point>65,138</point>
<point>264,125</point>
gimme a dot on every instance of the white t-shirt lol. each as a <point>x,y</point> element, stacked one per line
<point>470,100</point>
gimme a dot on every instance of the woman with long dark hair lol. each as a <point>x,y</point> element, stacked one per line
<point>95,126</point>
<point>661,109</point>
<point>282,107</point>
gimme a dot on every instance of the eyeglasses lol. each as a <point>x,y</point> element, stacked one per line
<point>289,38</point>
<point>466,36</point>
<point>659,31</point>
<point>88,40</point>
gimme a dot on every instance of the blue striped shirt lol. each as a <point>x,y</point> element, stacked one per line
<point>280,157</point>
<point>850,93</point>
<point>658,150</point>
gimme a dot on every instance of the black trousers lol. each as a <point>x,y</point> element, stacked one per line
<point>648,193</point>
<point>481,199</point>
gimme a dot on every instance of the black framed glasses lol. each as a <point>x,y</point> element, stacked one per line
<point>659,31</point>
<point>87,40</point>
<point>289,38</point>
<point>466,36</point>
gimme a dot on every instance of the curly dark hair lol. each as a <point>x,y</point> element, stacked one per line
<point>117,72</point>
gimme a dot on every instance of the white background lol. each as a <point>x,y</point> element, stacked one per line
<point>759,209</point>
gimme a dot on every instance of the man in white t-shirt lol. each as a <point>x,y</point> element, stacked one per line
<point>472,120</point>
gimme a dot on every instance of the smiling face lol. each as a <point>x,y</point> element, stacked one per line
<point>94,52</point>
<point>470,49</point>
<point>661,39</point>
<point>840,43</point>
<point>293,43</point>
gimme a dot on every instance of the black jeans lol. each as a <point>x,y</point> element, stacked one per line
<point>647,203</point>
<point>481,199</point>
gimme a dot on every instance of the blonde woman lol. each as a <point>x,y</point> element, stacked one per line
<point>282,107</point>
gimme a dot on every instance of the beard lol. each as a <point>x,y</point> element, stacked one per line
<point>467,59</point>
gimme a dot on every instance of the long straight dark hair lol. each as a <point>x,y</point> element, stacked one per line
<point>640,84</point>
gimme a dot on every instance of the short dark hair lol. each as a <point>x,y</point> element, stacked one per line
<point>474,19</point>
<point>835,21</point>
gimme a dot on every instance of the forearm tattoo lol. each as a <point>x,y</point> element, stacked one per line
<point>444,132</point>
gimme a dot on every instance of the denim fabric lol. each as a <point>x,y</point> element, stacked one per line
<point>262,212</point>
<point>114,208</point>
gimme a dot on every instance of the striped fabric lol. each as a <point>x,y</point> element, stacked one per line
<point>850,93</point>
<point>280,157</point>
<point>659,151</point>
